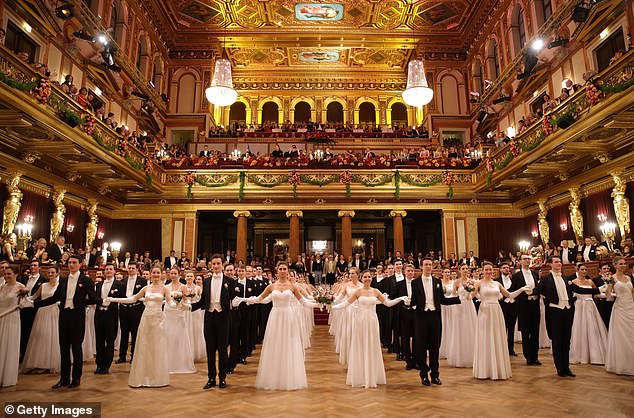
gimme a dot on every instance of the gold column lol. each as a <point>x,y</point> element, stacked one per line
<point>346,232</point>
<point>576,217</point>
<point>57,218</point>
<point>293,236</point>
<point>544,229</point>
<point>621,204</point>
<point>12,205</point>
<point>241,236</point>
<point>397,220</point>
<point>91,227</point>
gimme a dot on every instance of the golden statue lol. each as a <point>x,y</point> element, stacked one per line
<point>57,219</point>
<point>621,205</point>
<point>544,230</point>
<point>91,227</point>
<point>576,218</point>
<point>12,205</point>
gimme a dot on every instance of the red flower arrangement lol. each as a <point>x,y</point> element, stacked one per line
<point>148,166</point>
<point>547,126</point>
<point>122,149</point>
<point>515,149</point>
<point>346,178</point>
<point>90,124</point>
<point>43,91</point>
<point>489,165</point>
<point>593,94</point>
<point>294,179</point>
<point>448,178</point>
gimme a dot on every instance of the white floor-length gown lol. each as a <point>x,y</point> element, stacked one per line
<point>589,338</point>
<point>447,313</point>
<point>42,351</point>
<point>491,357</point>
<point>89,346</point>
<point>194,322</point>
<point>179,349</point>
<point>365,360</point>
<point>620,357</point>
<point>345,327</point>
<point>462,334</point>
<point>281,364</point>
<point>150,365</point>
<point>9,335</point>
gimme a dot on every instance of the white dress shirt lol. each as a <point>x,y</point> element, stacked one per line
<point>31,282</point>
<point>216,288</point>
<point>564,256</point>
<point>428,285</point>
<point>399,277</point>
<point>87,260</point>
<point>129,289</point>
<point>586,253</point>
<point>105,291</point>
<point>70,290</point>
<point>408,286</point>
<point>243,282</point>
<point>530,282</point>
<point>126,262</point>
<point>379,278</point>
<point>507,283</point>
<point>561,293</point>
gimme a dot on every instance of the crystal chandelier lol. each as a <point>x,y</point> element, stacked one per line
<point>221,92</point>
<point>417,93</point>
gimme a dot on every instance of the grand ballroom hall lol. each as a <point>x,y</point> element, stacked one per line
<point>321,208</point>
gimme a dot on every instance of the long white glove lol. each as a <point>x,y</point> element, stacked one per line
<point>306,302</point>
<point>236,302</point>
<point>120,300</point>
<point>251,300</point>
<point>391,302</point>
<point>514,294</point>
<point>341,305</point>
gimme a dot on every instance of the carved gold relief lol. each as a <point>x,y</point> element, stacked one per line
<point>544,229</point>
<point>621,204</point>
<point>12,205</point>
<point>57,218</point>
<point>576,217</point>
<point>91,227</point>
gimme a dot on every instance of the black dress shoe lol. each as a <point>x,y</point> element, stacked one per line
<point>561,373</point>
<point>210,384</point>
<point>570,373</point>
<point>97,370</point>
<point>512,353</point>
<point>436,381</point>
<point>537,363</point>
<point>104,371</point>
<point>222,384</point>
<point>409,366</point>
<point>73,384</point>
<point>243,361</point>
<point>119,361</point>
<point>425,381</point>
<point>59,384</point>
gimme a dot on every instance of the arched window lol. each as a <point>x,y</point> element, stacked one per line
<point>399,114</point>
<point>142,55</point>
<point>334,112</point>
<point>302,112</point>
<point>547,6</point>
<point>186,94</point>
<point>270,112</point>
<point>478,80</point>
<point>237,112</point>
<point>449,95</point>
<point>157,76</point>
<point>493,65</point>
<point>521,29</point>
<point>367,112</point>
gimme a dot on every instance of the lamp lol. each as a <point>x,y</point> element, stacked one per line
<point>534,234</point>
<point>115,246</point>
<point>70,228</point>
<point>24,231</point>
<point>602,217</point>
<point>221,92</point>
<point>564,227</point>
<point>524,246</point>
<point>65,11</point>
<point>608,229</point>
<point>417,92</point>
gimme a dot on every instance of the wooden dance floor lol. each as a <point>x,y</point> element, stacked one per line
<point>533,391</point>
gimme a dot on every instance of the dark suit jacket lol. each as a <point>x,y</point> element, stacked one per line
<point>361,265</point>
<point>84,294</point>
<point>181,261</point>
<point>547,287</point>
<point>54,253</point>
<point>593,252</point>
<point>572,255</point>
<point>38,283</point>
<point>518,281</point>
<point>419,297</point>
<point>117,290</point>
<point>371,264</point>
<point>381,286</point>
<point>227,293</point>
<point>168,264</point>
<point>615,245</point>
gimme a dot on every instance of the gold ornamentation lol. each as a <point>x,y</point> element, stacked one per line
<point>544,229</point>
<point>103,190</point>
<point>30,157</point>
<point>72,176</point>
<point>343,213</point>
<point>320,201</point>
<point>216,178</point>
<point>267,201</point>
<point>297,213</point>
<point>91,227</point>
<point>576,217</point>
<point>372,178</point>
<point>57,218</point>
<point>238,213</point>
<point>563,176</point>
<point>603,157</point>
<point>12,205</point>
<point>372,201</point>
<point>532,189</point>
<point>621,204</point>
<point>395,213</point>
<point>267,178</point>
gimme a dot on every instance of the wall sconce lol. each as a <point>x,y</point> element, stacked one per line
<point>70,228</point>
<point>524,246</point>
<point>115,246</point>
<point>608,229</point>
<point>602,217</point>
<point>535,234</point>
<point>100,235</point>
<point>564,227</point>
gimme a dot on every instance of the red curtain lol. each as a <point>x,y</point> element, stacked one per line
<point>593,205</point>
<point>75,219</point>
<point>630,195</point>
<point>40,208</point>
<point>496,234</point>
<point>557,216</point>
<point>3,197</point>
<point>135,235</point>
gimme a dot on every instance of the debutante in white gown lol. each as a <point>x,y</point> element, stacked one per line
<point>461,336</point>
<point>179,349</point>
<point>9,335</point>
<point>194,322</point>
<point>89,345</point>
<point>365,359</point>
<point>447,314</point>
<point>544,341</point>
<point>620,356</point>
<point>282,358</point>
<point>42,351</point>
<point>150,365</point>
<point>345,327</point>
<point>589,338</point>
<point>491,357</point>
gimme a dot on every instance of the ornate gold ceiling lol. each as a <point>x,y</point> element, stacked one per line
<point>352,34</point>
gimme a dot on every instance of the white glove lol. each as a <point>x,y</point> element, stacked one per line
<point>172,304</point>
<point>25,303</point>
<point>527,289</point>
<point>251,300</point>
<point>105,303</point>
<point>236,302</point>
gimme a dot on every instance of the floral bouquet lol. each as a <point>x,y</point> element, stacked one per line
<point>22,293</point>
<point>515,148</point>
<point>177,296</point>
<point>323,295</point>
<point>469,286</point>
<point>609,280</point>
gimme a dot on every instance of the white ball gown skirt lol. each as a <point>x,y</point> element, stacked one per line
<point>544,341</point>
<point>461,336</point>
<point>365,360</point>
<point>589,340</point>
<point>195,322</point>
<point>89,346</point>
<point>447,313</point>
<point>42,351</point>
<point>179,349</point>
<point>620,356</point>
<point>491,357</point>
<point>282,358</point>
<point>150,365</point>
<point>9,336</point>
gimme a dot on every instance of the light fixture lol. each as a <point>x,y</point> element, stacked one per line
<point>27,27</point>
<point>97,91</point>
<point>537,44</point>
<point>604,33</point>
<point>115,246</point>
<point>602,217</point>
<point>65,11</point>
<point>102,39</point>
<point>70,228</point>
<point>535,234</point>
<point>417,92</point>
<point>608,229</point>
<point>524,246</point>
<point>564,227</point>
<point>100,235</point>
<point>510,132</point>
<point>221,92</point>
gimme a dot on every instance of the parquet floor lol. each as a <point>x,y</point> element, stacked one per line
<point>533,391</point>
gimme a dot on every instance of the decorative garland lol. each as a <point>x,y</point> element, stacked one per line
<point>294,179</point>
<point>241,189</point>
<point>411,182</point>
<point>358,179</point>
<point>17,84</point>
<point>616,88</point>
<point>505,161</point>
<point>567,115</point>
<point>397,184</point>
<point>253,179</point>
<point>448,178</point>
<point>102,144</point>
<point>329,180</point>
